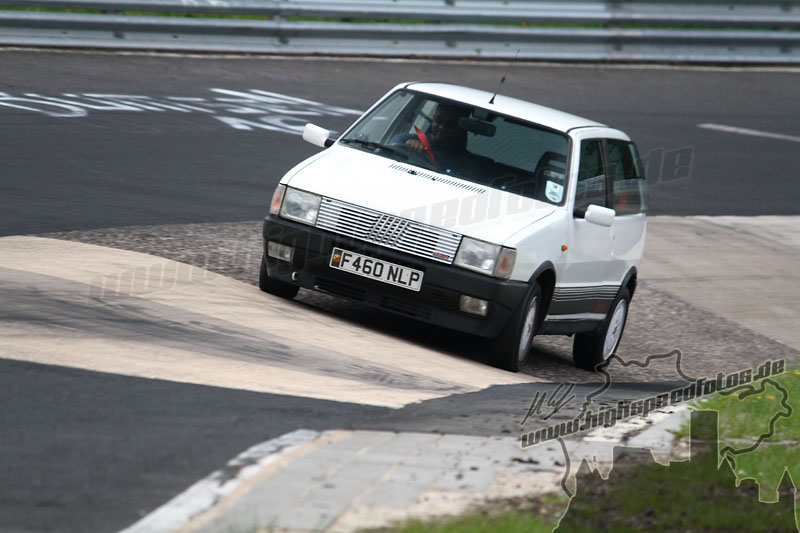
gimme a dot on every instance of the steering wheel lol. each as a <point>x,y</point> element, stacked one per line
<point>421,158</point>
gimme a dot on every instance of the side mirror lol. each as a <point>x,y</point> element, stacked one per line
<point>317,136</point>
<point>602,216</point>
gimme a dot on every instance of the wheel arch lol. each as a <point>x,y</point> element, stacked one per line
<point>546,276</point>
<point>630,281</point>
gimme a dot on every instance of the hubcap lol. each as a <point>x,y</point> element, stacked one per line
<point>527,329</point>
<point>614,332</point>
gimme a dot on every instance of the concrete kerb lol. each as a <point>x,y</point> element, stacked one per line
<point>365,479</point>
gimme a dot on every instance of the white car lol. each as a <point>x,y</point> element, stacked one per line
<point>472,211</point>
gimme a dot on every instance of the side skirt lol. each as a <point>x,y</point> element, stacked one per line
<point>568,326</point>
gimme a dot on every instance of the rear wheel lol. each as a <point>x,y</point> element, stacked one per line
<point>511,347</point>
<point>591,349</point>
<point>275,286</point>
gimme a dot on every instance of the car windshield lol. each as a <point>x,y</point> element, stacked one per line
<point>467,142</point>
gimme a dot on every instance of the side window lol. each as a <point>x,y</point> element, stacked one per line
<point>628,181</point>
<point>591,187</point>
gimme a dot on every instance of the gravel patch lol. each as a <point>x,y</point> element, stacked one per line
<point>658,322</point>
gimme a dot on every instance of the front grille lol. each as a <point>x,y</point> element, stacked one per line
<point>386,230</point>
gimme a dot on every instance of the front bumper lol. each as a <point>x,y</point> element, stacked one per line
<point>437,301</point>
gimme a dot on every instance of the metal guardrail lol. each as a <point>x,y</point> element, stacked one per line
<point>729,13</point>
<point>734,31</point>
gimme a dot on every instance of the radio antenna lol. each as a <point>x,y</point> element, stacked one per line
<point>503,79</point>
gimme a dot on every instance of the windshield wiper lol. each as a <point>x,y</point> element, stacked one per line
<point>376,145</point>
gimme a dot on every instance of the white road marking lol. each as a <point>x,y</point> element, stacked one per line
<point>747,131</point>
<point>273,111</point>
<point>203,495</point>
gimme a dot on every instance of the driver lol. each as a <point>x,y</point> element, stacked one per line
<point>446,143</point>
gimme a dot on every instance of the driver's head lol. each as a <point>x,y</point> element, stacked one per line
<point>445,129</point>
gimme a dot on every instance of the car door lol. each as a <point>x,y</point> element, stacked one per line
<point>629,200</point>
<point>586,286</point>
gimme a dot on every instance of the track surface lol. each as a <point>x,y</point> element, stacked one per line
<point>121,168</point>
<point>89,451</point>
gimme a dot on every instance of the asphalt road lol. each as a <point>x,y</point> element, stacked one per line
<point>119,167</point>
<point>103,141</point>
<point>87,451</point>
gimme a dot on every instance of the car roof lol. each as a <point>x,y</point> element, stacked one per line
<point>546,116</point>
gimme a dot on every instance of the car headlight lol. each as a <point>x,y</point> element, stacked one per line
<point>300,206</point>
<point>486,258</point>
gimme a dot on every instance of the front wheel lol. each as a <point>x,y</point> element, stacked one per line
<point>592,349</point>
<point>511,347</point>
<point>275,286</point>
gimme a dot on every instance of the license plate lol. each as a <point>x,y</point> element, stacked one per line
<point>372,268</point>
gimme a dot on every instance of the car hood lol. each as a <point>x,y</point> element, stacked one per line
<point>408,191</point>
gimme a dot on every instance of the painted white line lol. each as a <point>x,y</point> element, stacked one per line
<point>619,431</point>
<point>203,495</point>
<point>746,131</point>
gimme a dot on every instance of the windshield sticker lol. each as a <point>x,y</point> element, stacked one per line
<point>554,191</point>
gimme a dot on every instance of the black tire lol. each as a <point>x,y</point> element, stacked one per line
<point>275,286</point>
<point>590,349</point>
<point>511,347</point>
